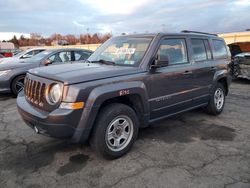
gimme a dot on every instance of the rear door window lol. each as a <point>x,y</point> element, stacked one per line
<point>199,49</point>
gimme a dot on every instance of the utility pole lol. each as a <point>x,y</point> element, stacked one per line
<point>87,35</point>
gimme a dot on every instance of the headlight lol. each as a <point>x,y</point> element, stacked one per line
<point>54,94</point>
<point>5,72</point>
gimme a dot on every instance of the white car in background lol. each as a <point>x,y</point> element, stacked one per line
<point>22,55</point>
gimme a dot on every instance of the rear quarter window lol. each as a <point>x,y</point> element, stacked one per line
<point>220,49</point>
<point>81,55</point>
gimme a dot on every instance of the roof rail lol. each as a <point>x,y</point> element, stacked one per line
<point>198,32</point>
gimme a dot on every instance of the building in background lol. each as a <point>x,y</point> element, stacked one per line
<point>238,42</point>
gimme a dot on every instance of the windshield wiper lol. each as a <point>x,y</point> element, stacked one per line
<point>103,62</point>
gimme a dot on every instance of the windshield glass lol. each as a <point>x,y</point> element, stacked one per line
<point>21,53</point>
<point>39,56</point>
<point>124,50</point>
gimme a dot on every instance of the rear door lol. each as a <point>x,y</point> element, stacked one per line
<point>203,71</point>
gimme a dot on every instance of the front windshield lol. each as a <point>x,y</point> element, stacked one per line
<point>39,56</point>
<point>124,50</point>
<point>21,53</point>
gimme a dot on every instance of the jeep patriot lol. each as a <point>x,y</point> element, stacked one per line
<point>126,84</point>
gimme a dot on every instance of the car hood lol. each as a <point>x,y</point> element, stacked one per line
<point>82,72</point>
<point>13,65</point>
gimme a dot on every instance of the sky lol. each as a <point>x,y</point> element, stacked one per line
<point>121,16</point>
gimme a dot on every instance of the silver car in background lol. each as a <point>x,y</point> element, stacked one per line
<point>12,74</point>
<point>22,55</point>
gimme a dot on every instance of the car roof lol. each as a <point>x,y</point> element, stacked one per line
<point>70,49</point>
<point>31,49</point>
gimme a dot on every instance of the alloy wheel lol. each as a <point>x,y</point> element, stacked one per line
<point>119,133</point>
<point>219,98</point>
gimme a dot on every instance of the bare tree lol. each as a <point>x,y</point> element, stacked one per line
<point>38,40</point>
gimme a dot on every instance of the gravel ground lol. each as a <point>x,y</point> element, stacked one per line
<point>190,150</point>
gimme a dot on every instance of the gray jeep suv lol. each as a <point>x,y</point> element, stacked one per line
<point>127,83</point>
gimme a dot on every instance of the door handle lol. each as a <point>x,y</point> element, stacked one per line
<point>187,72</point>
<point>213,68</point>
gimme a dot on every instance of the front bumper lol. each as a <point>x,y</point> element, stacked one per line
<point>244,71</point>
<point>58,123</point>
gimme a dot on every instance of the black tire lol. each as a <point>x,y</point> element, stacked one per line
<point>212,108</point>
<point>16,84</point>
<point>235,69</point>
<point>108,117</point>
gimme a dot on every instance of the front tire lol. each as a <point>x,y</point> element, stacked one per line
<point>217,100</point>
<point>115,131</point>
<point>17,84</point>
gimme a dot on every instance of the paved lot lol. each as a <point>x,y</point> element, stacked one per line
<point>191,150</point>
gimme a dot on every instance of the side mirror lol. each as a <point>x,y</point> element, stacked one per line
<point>47,62</point>
<point>160,61</point>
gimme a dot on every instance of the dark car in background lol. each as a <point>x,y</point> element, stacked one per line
<point>241,66</point>
<point>12,74</point>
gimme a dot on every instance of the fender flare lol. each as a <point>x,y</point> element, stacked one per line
<point>222,74</point>
<point>101,94</point>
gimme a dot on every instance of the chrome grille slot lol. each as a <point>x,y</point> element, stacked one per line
<point>42,93</point>
<point>32,90</point>
<point>35,91</point>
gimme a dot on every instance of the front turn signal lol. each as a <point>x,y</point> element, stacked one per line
<point>72,106</point>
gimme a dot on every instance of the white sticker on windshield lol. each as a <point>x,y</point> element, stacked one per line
<point>126,51</point>
<point>127,62</point>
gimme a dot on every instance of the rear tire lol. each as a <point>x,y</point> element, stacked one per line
<point>217,100</point>
<point>115,131</point>
<point>17,84</point>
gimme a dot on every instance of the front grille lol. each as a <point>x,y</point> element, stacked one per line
<point>34,91</point>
